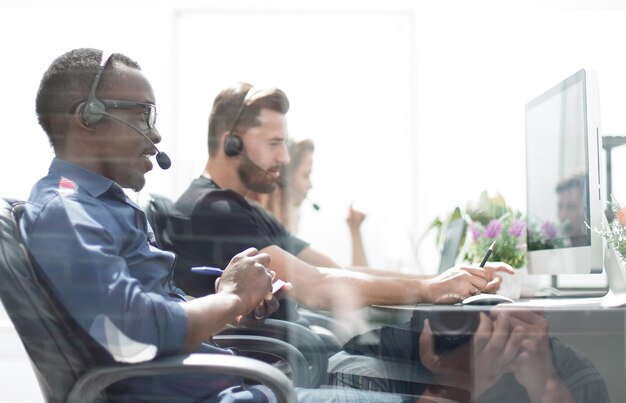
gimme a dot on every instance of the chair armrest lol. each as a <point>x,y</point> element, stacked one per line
<point>276,348</point>
<point>303,338</point>
<point>94,381</point>
<point>326,321</point>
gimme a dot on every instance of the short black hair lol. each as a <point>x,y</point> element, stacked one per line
<point>65,84</point>
<point>228,102</point>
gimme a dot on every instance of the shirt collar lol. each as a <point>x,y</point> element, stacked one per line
<point>208,180</point>
<point>92,182</point>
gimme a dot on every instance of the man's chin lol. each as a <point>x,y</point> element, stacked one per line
<point>138,186</point>
<point>261,187</point>
<point>136,183</point>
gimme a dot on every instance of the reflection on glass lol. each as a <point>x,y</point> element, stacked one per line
<point>558,204</point>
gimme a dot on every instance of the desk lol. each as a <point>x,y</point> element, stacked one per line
<point>596,333</point>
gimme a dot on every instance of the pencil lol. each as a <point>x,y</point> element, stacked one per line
<point>482,264</point>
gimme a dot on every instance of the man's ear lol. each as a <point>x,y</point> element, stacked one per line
<point>78,118</point>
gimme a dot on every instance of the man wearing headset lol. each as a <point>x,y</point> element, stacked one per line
<point>95,245</point>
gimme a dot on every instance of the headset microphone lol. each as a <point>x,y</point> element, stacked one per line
<point>316,206</point>
<point>162,159</point>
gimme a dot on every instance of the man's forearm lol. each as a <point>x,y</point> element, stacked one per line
<point>391,274</point>
<point>208,315</point>
<point>334,286</point>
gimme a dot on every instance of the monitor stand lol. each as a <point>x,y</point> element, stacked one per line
<point>616,275</point>
<point>615,297</point>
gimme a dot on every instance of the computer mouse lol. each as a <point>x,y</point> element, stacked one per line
<point>486,299</point>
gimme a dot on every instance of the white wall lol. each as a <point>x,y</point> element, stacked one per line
<point>415,106</point>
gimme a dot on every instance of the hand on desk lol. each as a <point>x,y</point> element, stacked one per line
<point>505,341</point>
<point>458,283</point>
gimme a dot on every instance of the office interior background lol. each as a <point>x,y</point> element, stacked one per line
<point>415,107</point>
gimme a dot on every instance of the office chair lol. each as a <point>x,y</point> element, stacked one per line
<point>156,208</point>
<point>300,337</point>
<point>325,324</point>
<point>64,356</point>
<point>315,351</point>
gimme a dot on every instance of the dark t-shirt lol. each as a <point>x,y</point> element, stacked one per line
<point>210,225</point>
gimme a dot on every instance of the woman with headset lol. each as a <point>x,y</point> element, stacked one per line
<point>295,182</point>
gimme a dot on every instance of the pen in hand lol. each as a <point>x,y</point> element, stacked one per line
<point>213,271</point>
<point>278,288</point>
<point>482,264</point>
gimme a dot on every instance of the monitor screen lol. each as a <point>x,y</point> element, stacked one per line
<point>453,238</point>
<point>564,199</point>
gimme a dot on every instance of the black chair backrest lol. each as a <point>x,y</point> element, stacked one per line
<point>59,350</point>
<point>157,208</point>
<point>161,215</point>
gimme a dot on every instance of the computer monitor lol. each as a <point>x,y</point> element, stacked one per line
<point>563,184</point>
<point>453,236</point>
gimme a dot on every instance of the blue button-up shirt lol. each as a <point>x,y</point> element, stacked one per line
<point>97,250</point>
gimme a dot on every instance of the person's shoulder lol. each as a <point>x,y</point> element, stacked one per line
<point>577,372</point>
<point>203,196</point>
<point>49,192</point>
<point>566,356</point>
<point>53,197</point>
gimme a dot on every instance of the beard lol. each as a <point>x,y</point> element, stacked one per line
<point>254,177</point>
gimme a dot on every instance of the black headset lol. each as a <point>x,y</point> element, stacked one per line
<point>233,144</point>
<point>93,110</point>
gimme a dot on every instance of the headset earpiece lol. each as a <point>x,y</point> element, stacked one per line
<point>233,145</point>
<point>78,115</point>
<point>92,112</point>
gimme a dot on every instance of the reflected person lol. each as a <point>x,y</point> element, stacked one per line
<point>511,358</point>
<point>572,210</point>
